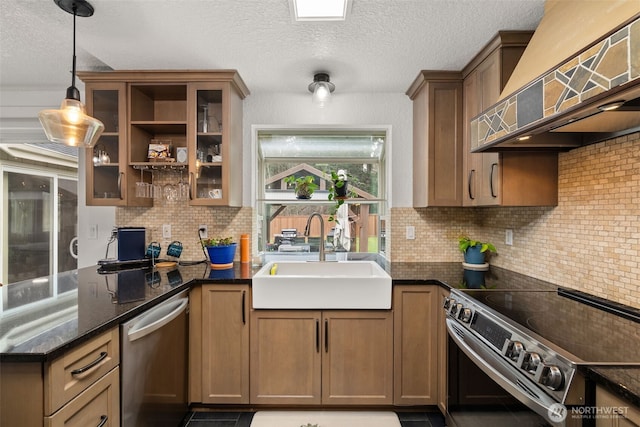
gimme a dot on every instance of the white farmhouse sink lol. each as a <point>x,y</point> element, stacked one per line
<point>322,285</point>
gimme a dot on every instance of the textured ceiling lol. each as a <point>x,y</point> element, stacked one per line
<point>379,48</point>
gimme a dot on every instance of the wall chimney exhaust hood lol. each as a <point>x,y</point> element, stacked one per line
<point>567,106</point>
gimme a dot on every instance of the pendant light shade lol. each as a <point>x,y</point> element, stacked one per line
<point>321,89</point>
<point>70,125</point>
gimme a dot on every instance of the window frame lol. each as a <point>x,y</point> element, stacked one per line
<point>257,184</point>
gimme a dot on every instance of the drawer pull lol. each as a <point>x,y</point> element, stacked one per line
<point>103,420</point>
<point>103,355</point>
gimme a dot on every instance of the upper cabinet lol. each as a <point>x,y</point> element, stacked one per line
<point>108,174</point>
<point>507,178</point>
<point>157,121</point>
<point>437,138</point>
<point>445,171</point>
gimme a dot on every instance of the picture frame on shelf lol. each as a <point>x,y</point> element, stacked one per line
<point>159,150</point>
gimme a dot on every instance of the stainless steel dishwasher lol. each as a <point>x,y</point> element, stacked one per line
<point>153,365</point>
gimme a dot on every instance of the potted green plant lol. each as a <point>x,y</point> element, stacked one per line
<point>474,251</point>
<point>304,186</point>
<point>221,251</point>
<point>338,192</point>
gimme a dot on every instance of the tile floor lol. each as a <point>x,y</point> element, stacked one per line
<point>243,419</point>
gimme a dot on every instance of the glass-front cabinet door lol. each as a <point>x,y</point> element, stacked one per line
<point>208,144</point>
<point>106,163</point>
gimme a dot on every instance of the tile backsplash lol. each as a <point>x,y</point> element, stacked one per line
<point>221,222</point>
<point>590,241</point>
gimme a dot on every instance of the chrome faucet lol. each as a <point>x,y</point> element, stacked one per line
<point>308,228</point>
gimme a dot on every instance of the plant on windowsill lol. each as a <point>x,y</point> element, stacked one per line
<point>474,251</point>
<point>304,186</point>
<point>338,192</point>
<point>221,251</point>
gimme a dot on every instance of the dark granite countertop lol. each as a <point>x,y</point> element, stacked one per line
<point>623,381</point>
<point>41,319</point>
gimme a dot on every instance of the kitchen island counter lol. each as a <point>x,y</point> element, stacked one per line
<point>43,318</point>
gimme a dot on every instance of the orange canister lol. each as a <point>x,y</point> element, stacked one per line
<point>245,248</point>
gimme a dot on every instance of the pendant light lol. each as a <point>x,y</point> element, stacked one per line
<point>321,89</point>
<point>70,125</point>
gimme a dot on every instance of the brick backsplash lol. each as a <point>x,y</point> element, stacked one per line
<point>184,220</point>
<point>590,241</point>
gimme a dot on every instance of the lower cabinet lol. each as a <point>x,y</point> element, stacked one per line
<point>219,344</point>
<point>322,357</point>
<point>416,370</point>
<point>98,405</point>
<point>80,388</point>
<point>625,415</point>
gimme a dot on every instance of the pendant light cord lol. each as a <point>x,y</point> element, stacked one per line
<point>73,71</point>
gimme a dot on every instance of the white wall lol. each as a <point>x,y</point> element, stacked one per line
<point>382,109</point>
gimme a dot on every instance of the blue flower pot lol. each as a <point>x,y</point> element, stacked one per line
<point>473,255</point>
<point>473,279</point>
<point>227,273</point>
<point>222,254</point>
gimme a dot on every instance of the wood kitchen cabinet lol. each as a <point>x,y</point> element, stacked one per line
<point>219,344</point>
<point>57,393</point>
<point>443,354</point>
<point>322,357</point>
<point>110,180</point>
<point>197,113</point>
<point>507,178</point>
<point>416,345</point>
<point>437,138</point>
<point>628,415</point>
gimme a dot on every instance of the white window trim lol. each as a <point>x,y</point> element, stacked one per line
<point>256,129</point>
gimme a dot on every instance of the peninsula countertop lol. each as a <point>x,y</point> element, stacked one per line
<point>41,319</point>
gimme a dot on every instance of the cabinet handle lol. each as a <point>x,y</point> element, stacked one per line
<point>120,184</point>
<point>326,335</point>
<point>317,336</point>
<point>103,420</point>
<point>103,355</point>
<point>244,319</point>
<point>472,173</point>
<point>190,192</point>
<point>493,167</point>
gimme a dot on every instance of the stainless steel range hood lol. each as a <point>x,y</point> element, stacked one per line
<point>559,107</point>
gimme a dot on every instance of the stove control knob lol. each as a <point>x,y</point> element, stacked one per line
<point>456,309</point>
<point>465,315</point>
<point>551,376</point>
<point>446,303</point>
<point>451,306</point>
<point>512,349</point>
<point>530,361</point>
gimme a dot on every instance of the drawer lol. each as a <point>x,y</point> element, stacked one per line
<point>97,406</point>
<point>70,374</point>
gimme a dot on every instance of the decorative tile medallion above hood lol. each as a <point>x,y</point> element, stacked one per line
<point>559,110</point>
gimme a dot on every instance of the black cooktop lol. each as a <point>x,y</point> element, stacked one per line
<point>585,326</point>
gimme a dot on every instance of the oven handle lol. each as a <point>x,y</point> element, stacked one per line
<point>501,372</point>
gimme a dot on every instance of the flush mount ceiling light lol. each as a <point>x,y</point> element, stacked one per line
<point>319,10</point>
<point>321,89</point>
<point>70,125</point>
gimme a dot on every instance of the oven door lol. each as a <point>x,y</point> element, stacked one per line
<point>537,409</point>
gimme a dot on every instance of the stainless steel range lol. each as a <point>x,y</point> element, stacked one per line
<point>534,344</point>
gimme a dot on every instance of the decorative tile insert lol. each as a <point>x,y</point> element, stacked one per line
<point>608,63</point>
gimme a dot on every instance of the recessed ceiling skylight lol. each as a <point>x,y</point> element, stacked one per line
<point>320,10</point>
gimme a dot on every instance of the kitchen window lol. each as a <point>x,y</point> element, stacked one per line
<point>316,153</point>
